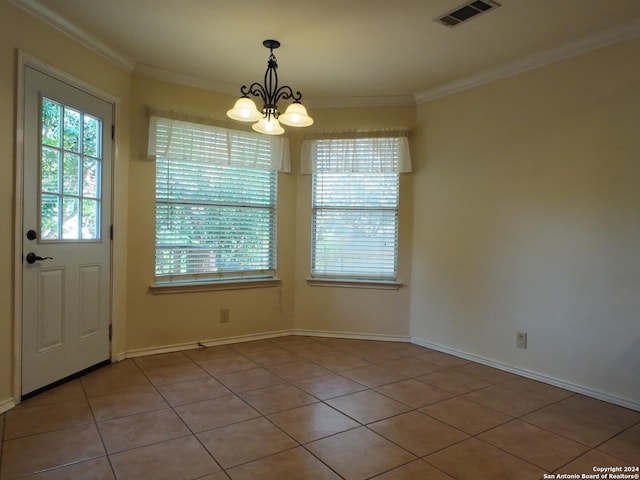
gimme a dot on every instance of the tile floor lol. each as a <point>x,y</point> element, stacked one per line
<point>311,408</point>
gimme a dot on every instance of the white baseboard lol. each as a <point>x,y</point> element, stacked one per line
<point>7,404</point>
<point>623,402</point>
<point>352,335</point>
<point>178,347</point>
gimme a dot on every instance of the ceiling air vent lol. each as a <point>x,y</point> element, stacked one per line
<point>466,12</point>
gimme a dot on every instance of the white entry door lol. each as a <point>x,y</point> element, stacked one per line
<point>66,227</point>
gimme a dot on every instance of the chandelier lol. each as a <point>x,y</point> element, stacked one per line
<point>268,120</point>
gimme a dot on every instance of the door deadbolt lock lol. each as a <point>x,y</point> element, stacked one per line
<point>33,258</point>
<point>32,235</point>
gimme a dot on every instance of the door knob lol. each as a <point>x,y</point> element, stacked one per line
<point>33,258</point>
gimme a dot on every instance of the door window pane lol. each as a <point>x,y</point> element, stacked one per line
<point>91,136</point>
<point>49,214</point>
<point>51,123</point>
<point>89,219</point>
<point>70,173</point>
<point>90,185</point>
<point>50,170</point>
<point>70,218</point>
<point>71,130</point>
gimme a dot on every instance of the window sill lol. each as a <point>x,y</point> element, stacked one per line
<point>194,287</point>
<point>353,283</point>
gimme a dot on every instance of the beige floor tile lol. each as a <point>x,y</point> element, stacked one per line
<point>216,476</point>
<point>36,453</point>
<point>226,364</point>
<point>418,470</point>
<point>249,379</point>
<point>179,372</point>
<point>116,380</point>
<point>275,356</point>
<point>486,373</point>
<point>244,442</point>
<point>69,391</point>
<point>45,418</point>
<point>372,375</point>
<point>477,460</point>
<point>506,400</point>
<point>252,346</point>
<point>348,344</point>
<point>367,406</point>
<point>625,446</point>
<point>407,349</point>
<point>193,391</point>
<point>608,413</point>
<point>276,398</point>
<point>538,390</point>
<point>209,353</point>
<point>215,413</point>
<point>413,393</point>
<point>106,407</point>
<point>410,366</point>
<point>96,469</point>
<point>443,359</point>
<point>339,361</point>
<point>295,464</point>
<point>377,354</point>
<point>312,422</point>
<point>161,360</point>
<point>179,459</point>
<point>298,370</point>
<point>311,351</point>
<point>466,415</point>
<point>293,340</point>
<point>329,386</point>
<point>141,429</point>
<point>593,458</point>
<point>359,454</point>
<point>537,446</point>
<point>576,425</point>
<point>453,381</point>
<point>418,433</point>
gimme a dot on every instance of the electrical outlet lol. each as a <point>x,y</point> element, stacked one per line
<point>224,315</point>
<point>521,339</point>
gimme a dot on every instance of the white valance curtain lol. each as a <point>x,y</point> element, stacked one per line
<point>194,142</point>
<point>356,155</point>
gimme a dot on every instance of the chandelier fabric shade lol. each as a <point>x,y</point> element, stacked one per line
<point>268,119</point>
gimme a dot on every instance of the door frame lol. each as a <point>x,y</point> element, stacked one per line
<point>23,60</point>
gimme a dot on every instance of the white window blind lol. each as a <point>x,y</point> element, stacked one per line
<point>355,207</point>
<point>215,203</point>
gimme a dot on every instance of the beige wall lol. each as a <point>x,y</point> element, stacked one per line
<point>164,320</point>
<point>353,310</point>
<point>527,218</point>
<point>19,30</point>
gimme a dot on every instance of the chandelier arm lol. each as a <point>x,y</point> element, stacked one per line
<point>255,89</point>
<point>285,93</point>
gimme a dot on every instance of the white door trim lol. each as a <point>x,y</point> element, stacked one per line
<point>23,60</point>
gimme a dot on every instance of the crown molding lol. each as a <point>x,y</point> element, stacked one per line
<point>354,102</point>
<point>37,9</point>
<point>185,79</point>
<point>619,33</point>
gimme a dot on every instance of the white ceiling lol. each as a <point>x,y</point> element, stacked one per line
<point>338,49</point>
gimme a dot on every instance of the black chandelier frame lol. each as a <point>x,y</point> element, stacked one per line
<point>270,92</point>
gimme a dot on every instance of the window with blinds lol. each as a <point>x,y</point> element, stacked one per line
<point>355,213</point>
<point>215,219</point>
